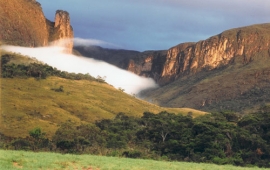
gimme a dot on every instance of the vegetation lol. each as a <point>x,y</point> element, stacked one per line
<point>220,138</point>
<point>43,160</point>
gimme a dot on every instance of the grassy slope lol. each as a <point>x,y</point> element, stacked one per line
<point>31,160</point>
<point>30,103</point>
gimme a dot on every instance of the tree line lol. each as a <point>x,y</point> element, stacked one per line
<point>38,71</point>
<point>220,138</point>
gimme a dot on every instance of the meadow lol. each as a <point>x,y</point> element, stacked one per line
<point>43,160</point>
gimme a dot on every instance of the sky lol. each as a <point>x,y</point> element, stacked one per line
<point>156,24</point>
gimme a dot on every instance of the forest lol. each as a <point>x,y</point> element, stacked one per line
<point>220,138</point>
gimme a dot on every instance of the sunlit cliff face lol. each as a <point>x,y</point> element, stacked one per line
<point>56,57</point>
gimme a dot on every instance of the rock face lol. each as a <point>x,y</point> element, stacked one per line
<point>61,32</point>
<point>148,64</point>
<point>215,52</point>
<point>23,23</point>
<point>190,58</point>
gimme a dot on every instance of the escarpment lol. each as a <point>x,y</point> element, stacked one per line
<point>23,23</point>
<point>241,45</point>
<point>217,51</point>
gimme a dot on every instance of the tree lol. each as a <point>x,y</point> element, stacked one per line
<point>37,139</point>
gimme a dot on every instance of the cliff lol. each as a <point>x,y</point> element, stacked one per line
<point>23,23</point>
<point>60,31</point>
<point>217,51</point>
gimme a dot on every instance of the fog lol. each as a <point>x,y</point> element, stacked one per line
<point>56,57</point>
<point>89,42</point>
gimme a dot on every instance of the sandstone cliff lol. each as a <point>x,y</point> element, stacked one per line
<point>216,51</point>
<point>61,32</point>
<point>23,23</point>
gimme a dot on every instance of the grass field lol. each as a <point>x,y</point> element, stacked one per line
<point>56,161</point>
<point>30,103</point>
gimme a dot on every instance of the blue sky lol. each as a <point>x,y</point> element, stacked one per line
<point>156,24</point>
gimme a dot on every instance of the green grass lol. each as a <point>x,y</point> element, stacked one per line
<point>30,103</point>
<point>42,160</point>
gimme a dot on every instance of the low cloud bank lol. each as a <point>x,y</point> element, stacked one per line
<point>90,42</point>
<point>54,56</point>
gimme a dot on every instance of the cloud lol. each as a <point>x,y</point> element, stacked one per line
<point>54,56</point>
<point>90,42</point>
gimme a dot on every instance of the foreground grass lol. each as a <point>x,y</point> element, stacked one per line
<point>30,160</point>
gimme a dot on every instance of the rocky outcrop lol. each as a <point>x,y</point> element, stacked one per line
<point>23,23</point>
<point>61,32</point>
<point>148,64</point>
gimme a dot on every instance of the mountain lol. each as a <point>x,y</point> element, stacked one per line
<point>23,23</point>
<point>228,71</point>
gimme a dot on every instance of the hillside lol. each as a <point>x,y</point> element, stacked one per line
<point>29,102</point>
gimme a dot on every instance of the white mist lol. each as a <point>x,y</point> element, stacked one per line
<point>55,57</point>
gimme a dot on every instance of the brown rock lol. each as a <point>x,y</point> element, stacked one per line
<point>62,32</point>
<point>23,23</point>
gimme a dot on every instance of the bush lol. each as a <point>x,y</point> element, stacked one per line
<point>132,154</point>
<point>59,89</point>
